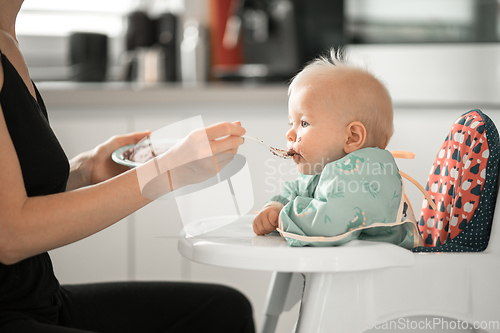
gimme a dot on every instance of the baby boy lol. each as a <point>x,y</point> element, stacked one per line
<point>341,120</point>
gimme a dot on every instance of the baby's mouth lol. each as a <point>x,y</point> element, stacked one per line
<point>293,153</point>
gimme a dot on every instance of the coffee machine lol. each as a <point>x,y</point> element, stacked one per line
<point>280,36</point>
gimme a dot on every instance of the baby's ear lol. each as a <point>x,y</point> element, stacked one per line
<point>356,137</point>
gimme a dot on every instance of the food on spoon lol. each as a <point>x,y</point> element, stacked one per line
<point>282,153</point>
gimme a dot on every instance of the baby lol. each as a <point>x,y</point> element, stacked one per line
<point>341,120</point>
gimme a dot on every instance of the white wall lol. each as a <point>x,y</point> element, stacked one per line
<point>432,85</point>
<point>463,75</point>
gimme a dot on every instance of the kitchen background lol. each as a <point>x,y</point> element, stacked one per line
<point>107,67</point>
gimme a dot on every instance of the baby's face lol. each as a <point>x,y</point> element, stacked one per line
<point>318,130</point>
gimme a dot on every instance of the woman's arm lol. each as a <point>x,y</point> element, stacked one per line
<point>33,225</point>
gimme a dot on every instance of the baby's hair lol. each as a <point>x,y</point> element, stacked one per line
<point>332,58</point>
<point>378,120</point>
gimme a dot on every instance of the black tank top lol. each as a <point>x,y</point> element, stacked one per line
<point>30,287</point>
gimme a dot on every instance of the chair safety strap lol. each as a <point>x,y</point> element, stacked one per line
<point>410,155</point>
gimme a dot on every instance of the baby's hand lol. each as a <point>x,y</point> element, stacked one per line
<point>266,220</point>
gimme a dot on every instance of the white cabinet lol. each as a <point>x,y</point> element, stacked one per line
<point>104,256</point>
<point>156,226</point>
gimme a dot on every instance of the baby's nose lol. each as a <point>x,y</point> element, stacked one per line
<point>290,135</point>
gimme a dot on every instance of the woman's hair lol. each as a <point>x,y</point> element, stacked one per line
<point>369,100</point>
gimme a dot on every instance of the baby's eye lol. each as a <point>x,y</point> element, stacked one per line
<point>304,123</point>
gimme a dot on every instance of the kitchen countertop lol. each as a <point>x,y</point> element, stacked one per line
<point>66,95</point>
<point>74,94</point>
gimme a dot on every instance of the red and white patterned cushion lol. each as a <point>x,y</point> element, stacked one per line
<point>456,180</point>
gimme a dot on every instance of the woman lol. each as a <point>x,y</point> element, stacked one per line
<point>45,203</point>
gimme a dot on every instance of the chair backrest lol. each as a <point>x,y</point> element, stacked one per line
<point>463,183</point>
<point>494,242</point>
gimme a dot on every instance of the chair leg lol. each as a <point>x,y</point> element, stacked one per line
<point>275,301</point>
<point>335,302</point>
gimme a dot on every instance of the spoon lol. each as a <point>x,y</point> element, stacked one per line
<point>275,151</point>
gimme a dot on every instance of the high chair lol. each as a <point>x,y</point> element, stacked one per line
<point>367,285</point>
<point>357,297</point>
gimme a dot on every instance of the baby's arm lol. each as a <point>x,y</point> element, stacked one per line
<point>266,220</point>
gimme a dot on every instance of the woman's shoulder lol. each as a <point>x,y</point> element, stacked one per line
<point>7,42</point>
<point>3,38</point>
<point>9,48</point>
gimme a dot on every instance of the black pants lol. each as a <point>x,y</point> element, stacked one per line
<point>143,307</point>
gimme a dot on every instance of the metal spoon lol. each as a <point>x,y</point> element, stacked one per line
<point>275,151</point>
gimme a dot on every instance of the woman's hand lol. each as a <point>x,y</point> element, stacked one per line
<point>198,157</point>
<point>204,153</point>
<point>96,166</point>
<point>103,167</point>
